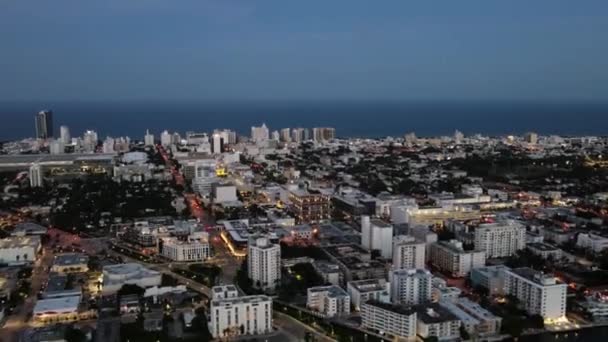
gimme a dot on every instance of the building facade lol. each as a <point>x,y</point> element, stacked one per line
<point>236,316</point>
<point>449,256</point>
<point>500,240</point>
<point>411,287</point>
<point>408,252</point>
<point>264,262</point>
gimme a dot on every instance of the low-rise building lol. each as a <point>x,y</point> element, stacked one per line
<point>330,301</point>
<point>545,250</point>
<point>70,263</point>
<point>195,248</point>
<point>594,242</point>
<point>362,291</point>
<point>19,250</point>
<point>115,276</point>
<point>491,278</point>
<point>441,292</point>
<point>396,320</point>
<point>237,316</point>
<point>433,320</point>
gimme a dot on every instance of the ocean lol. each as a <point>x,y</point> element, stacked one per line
<point>351,119</point>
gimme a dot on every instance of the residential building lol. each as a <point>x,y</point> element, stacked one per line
<point>433,320</point>
<point>410,287</point>
<point>149,139</point>
<point>64,135</point>
<point>362,291</point>
<point>501,239</point>
<point>236,316</point>
<point>449,256</point>
<point>491,278</point>
<point>545,250</point>
<point>264,262</point>
<point>330,301</point>
<point>441,292</point>
<point>594,242</point>
<point>224,292</point>
<point>539,294</point>
<point>408,252</point>
<point>260,134</point>
<point>36,176</point>
<point>309,206</point>
<point>377,235</point>
<point>395,320</point>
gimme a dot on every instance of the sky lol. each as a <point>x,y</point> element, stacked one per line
<point>549,50</point>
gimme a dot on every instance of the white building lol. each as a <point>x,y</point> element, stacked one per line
<point>540,294</point>
<point>330,301</point>
<point>149,138</point>
<point>362,291</point>
<point>396,320</point>
<point>64,135</point>
<point>264,262</point>
<point>424,234</point>
<point>594,242</point>
<point>217,143</point>
<point>115,276</point>
<point>441,292</point>
<point>501,239</point>
<point>224,193</point>
<point>235,316</point>
<point>56,147</point>
<point>410,287</point>
<point>260,134</point>
<point>451,257</point>
<point>433,320</point>
<point>196,248</point>
<point>166,138</point>
<point>224,292</point>
<point>36,179</point>
<point>491,278</point>
<point>19,250</point>
<point>476,320</point>
<point>286,135</point>
<point>545,250</point>
<point>408,252</point>
<point>377,235</point>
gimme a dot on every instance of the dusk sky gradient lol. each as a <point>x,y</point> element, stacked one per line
<point>554,50</point>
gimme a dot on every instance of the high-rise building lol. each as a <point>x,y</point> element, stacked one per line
<point>408,252</point>
<point>362,291</point>
<point>65,136</point>
<point>56,147</point>
<point>501,239</point>
<point>297,135</point>
<point>458,137</point>
<point>264,262</point>
<point>89,141</point>
<point>320,134</point>
<point>531,138</point>
<point>196,248</point>
<point>36,175</point>
<point>108,145</point>
<point>260,134</point>
<point>235,316</point>
<point>217,143</point>
<point>411,287</point>
<point>44,124</point>
<point>229,136</point>
<point>377,235</point>
<point>165,138</point>
<point>540,294</point>
<point>286,135</point>
<point>149,138</point>
<point>450,256</point>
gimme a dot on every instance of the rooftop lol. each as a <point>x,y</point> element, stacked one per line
<point>20,242</point>
<point>433,313</point>
<point>241,300</point>
<point>70,259</point>
<point>399,309</point>
<point>541,246</point>
<point>57,305</point>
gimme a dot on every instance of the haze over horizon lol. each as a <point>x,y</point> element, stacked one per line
<point>209,50</point>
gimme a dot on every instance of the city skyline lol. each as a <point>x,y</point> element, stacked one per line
<point>271,50</point>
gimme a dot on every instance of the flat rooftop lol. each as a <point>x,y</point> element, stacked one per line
<point>399,309</point>
<point>70,259</point>
<point>57,305</point>
<point>541,246</point>
<point>20,242</point>
<point>433,313</point>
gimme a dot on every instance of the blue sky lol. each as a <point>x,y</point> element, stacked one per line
<point>304,50</point>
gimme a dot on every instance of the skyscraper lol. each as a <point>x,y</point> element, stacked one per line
<point>149,138</point>
<point>35,175</point>
<point>260,134</point>
<point>44,124</point>
<point>65,136</point>
<point>217,143</point>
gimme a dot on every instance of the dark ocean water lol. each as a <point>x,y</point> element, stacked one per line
<point>363,119</point>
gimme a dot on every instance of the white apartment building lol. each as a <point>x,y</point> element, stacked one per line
<point>545,250</point>
<point>330,301</point>
<point>377,235</point>
<point>487,323</point>
<point>196,248</point>
<point>433,320</point>
<point>408,252</point>
<point>166,138</point>
<point>410,287</point>
<point>396,320</point>
<point>236,316</point>
<point>540,294</point>
<point>491,278</point>
<point>362,291</point>
<point>501,239</point>
<point>260,134</point>
<point>263,262</point>
<point>441,292</point>
<point>449,256</point>
<point>149,138</point>
<point>594,242</point>
<point>36,179</point>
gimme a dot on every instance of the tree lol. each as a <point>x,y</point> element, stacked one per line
<point>464,334</point>
<point>130,289</point>
<point>75,335</point>
<point>536,322</point>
